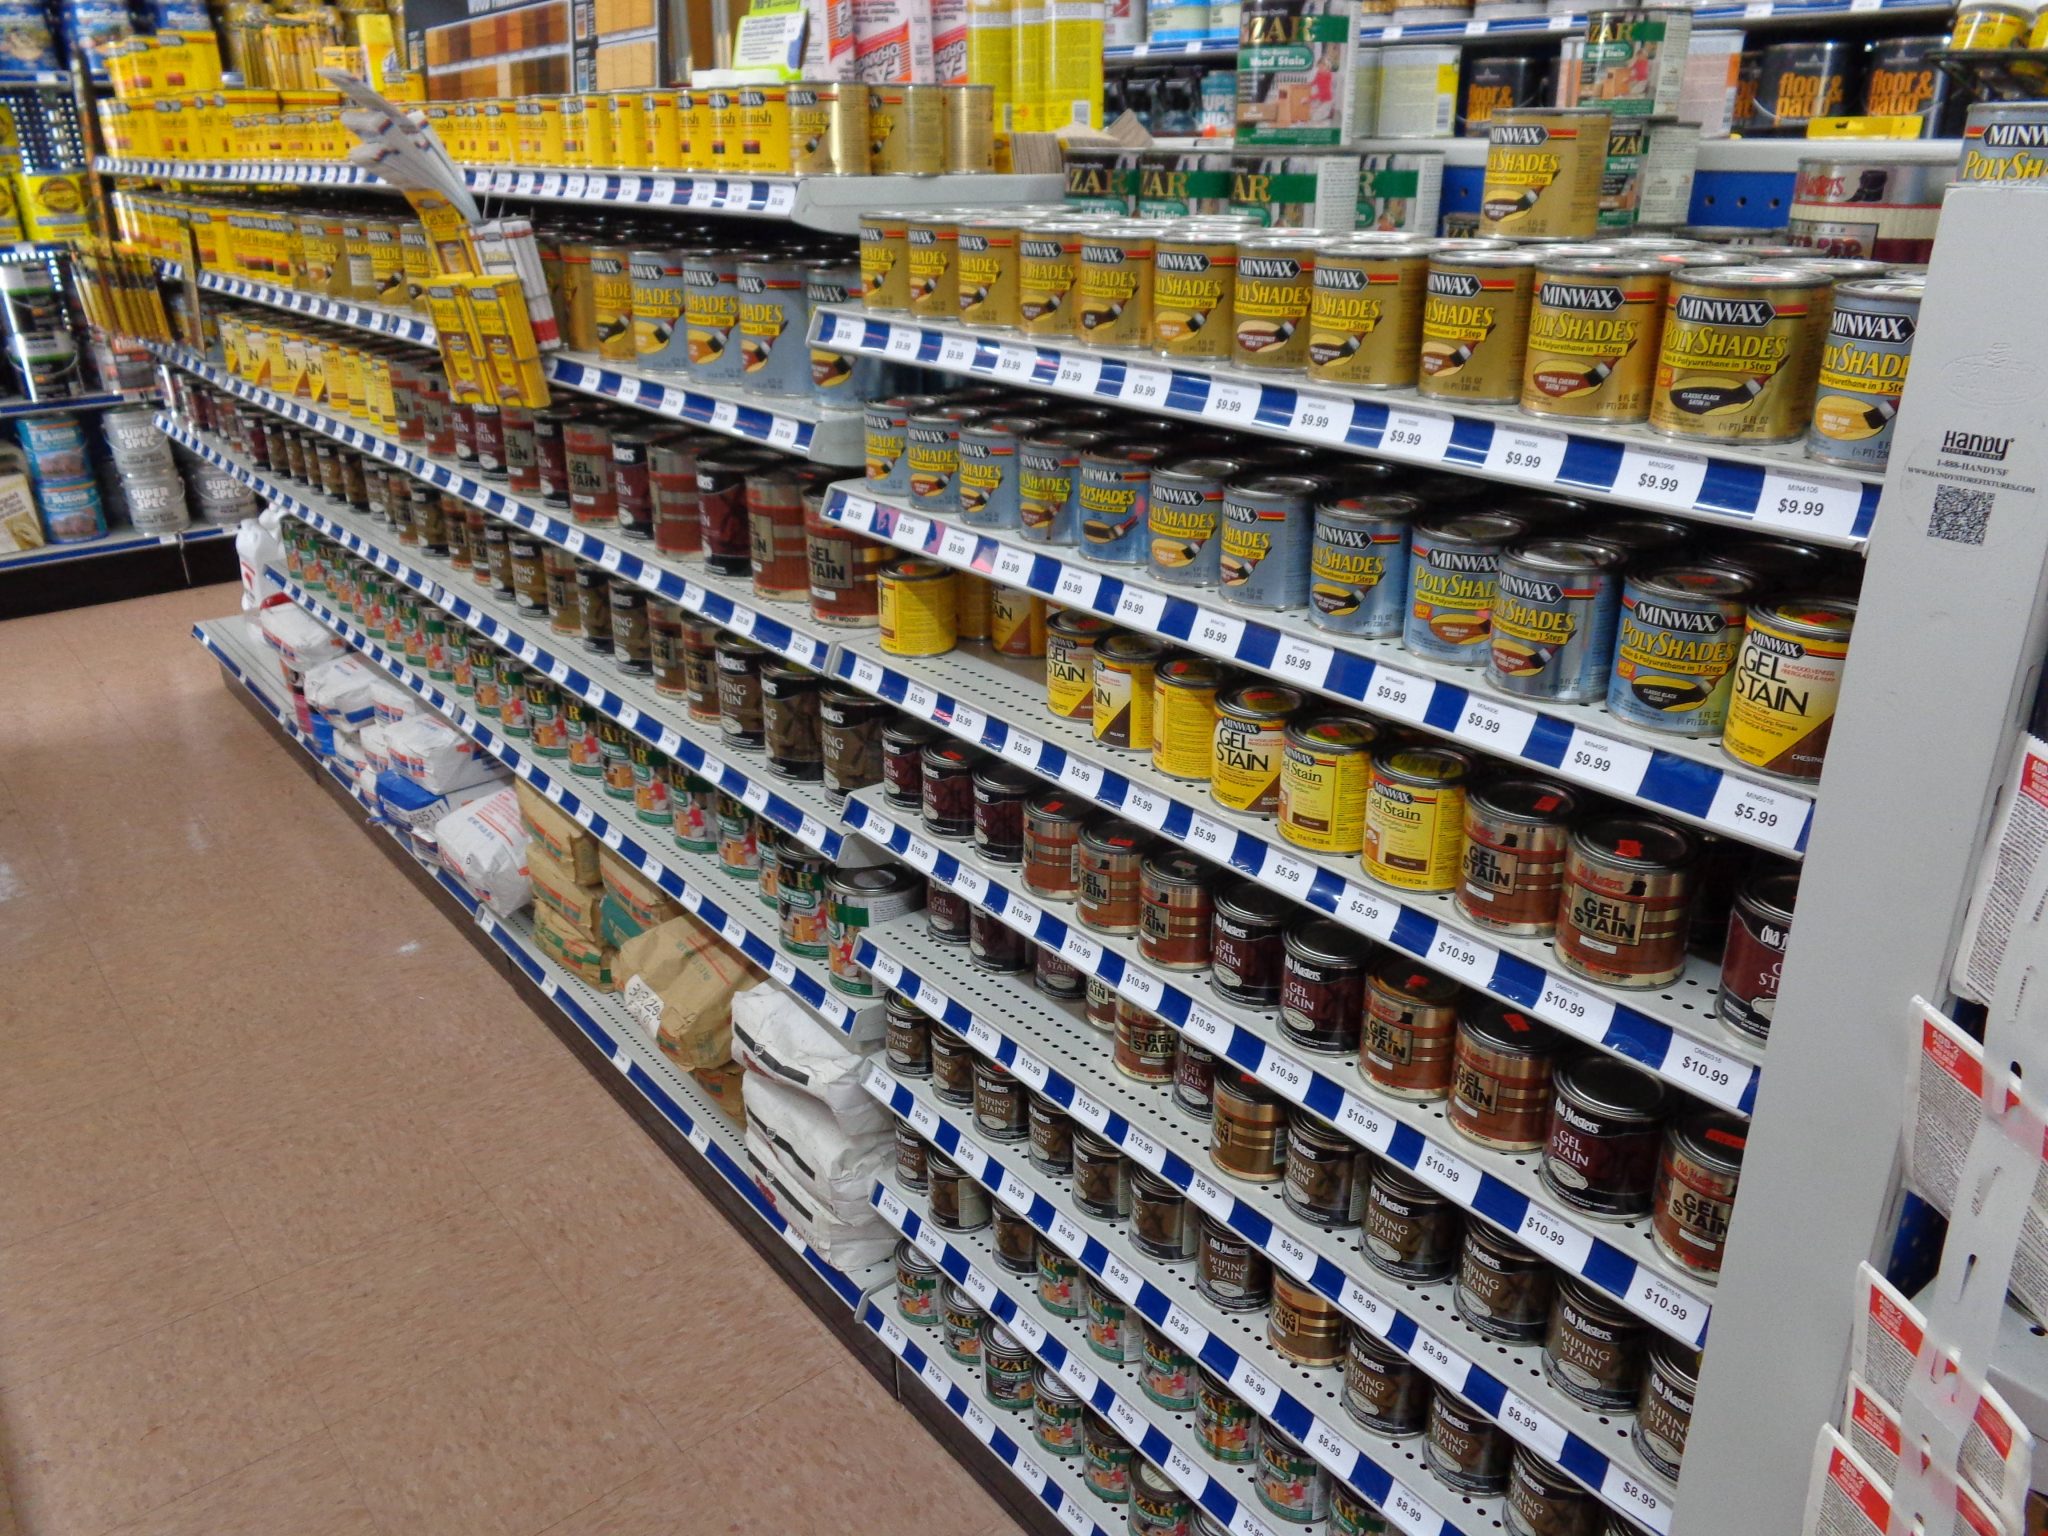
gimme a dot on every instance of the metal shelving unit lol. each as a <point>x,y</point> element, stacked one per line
<point>1770,490</point>
<point>121,541</point>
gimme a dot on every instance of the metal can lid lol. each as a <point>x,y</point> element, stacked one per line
<point>1112,834</point>
<point>1334,733</point>
<point>998,777</point>
<point>950,756</point>
<point>1396,1181</point>
<point>1714,1140</point>
<point>956,416</point>
<point>1073,624</point>
<point>1828,618</point>
<point>1373,507</point>
<point>1528,801</point>
<point>1396,974</point>
<point>1511,256</point>
<point>1693,584</point>
<point>1563,556</point>
<point>1260,701</point>
<point>1056,805</point>
<point>1427,767</point>
<point>904,732</point>
<point>1327,941</point>
<point>1169,866</point>
<point>1893,290</point>
<point>908,1257</point>
<point>1641,535</point>
<point>1129,650</point>
<point>1628,841</point>
<point>1051,1389</point>
<point>1591,261</point>
<point>1283,487</point>
<point>1612,1088</point>
<point>1770,893</point>
<point>1197,672</point>
<point>1253,904</point>
<point>955,1297</point>
<point>1507,1029</point>
<point>1737,279</point>
<point>996,428</point>
<point>1670,1358</point>
<point>873,880</point>
<point>915,568</point>
<point>1195,471</point>
<point>1472,529</point>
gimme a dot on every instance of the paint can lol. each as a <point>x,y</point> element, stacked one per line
<point>774,326</point>
<point>1593,328</point>
<point>1874,210</point>
<point>1268,528</point>
<point>1740,353</point>
<point>1048,475</point>
<point>1185,522</point>
<point>1194,283</point>
<point>1475,325</point>
<point>1675,648</point>
<point>1113,498</point>
<point>917,607</point>
<point>2005,141</point>
<point>1543,171</point>
<point>1799,82</point>
<point>1452,564</point>
<point>1297,191</point>
<point>1863,370</point>
<point>1275,288</point>
<point>1113,286</point>
<point>1358,570</point>
<point>1365,314</point>
<point>1555,605</point>
<point>1788,678</point>
<point>987,281</point>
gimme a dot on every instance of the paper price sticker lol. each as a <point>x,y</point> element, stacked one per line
<point>1029,1069</point>
<point>1398,694</point>
<point>578,186</point>
<point>1144,1149</point>
<point>1077,588</point>
<point>1364,1124</point>
<point>1464,957</point>
<point>971,1158</point>
<point>1574,1009</point>
<point>886,968</point>
<point>919,699</point>
<point>1032,1473</point>
<point>1619,1487</point>
<point>1211,837</point>
<point>1289,1253</point>
<point>1015,362</point>
<point>1254,1388</point>
<point>972,886</point>
<point>1303,662</point>
<point>1525,454</point>
<point>1186,1329</point>
<point>1089,1111</point>
<point>1437,1360</point>
<point>1028,1329</point>
<point>1616,766</point>
<point>1497,727</point>
<point>1143,988</point>
<point>754,797</point>
<point>983,1038</point>
<point>979,1288</point>
<point>1331,1448</point>
<point>1145,386</point>
<point>1127,1421</point>
<point>1757,813</point>
<point>1660,477</point>
<point>662,193</point>
<point>969,721</point>
<point>1285,872</point>
<point>1675,1311</point>
<point>1402,1506</point>
<point>956,353</point>
<point>1416,434</point>
<point>1366,1308</point>
<point>1084,952</point>
<point>983,1426</point>
<point>1209,1028</point>
<point>703,194</point>
<point>1014,1192</point>
<point>1182,1469</point>
<point>1022,915</point>
<point>1143,806</point>
<point>781,198</point>
<point>911,530</point>
<point>958,546</point>
<point>1532,1426</point>
<point>931,999</point>
<point>1217,633</point>
<point>1020,748</point>
<point>1209,1195</point>
<point>1320,417</point>
<point>1069,1238</point>
<point>1079,1377</point>
<point>903,343</point>
<point>611,838</point>
<point>1012,565</point>
<point>551,185</point>
<point>724,416</point>
<point>1556,1239</point>
<point>1236,404</point>
<point>922,854</point>
<point>1366,912</point>
<point>923,1121</point>
<point>1121,1282</point>
<point>1140,608</point>
<point>783,432</point>
<point>1073,1517</point>
<point>1077,374</point>
<point>1286,1076</point>
<point>1707,1072</point>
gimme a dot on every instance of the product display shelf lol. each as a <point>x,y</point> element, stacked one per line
<point>1770,490</point>
<point>725,903</point>
<point>601,1017</point>
<point>1112,1388</point>
<point>1217,48</point>
<point>1618,1258</point>
<point>1054,1481</point>
<point>1304,1401</point>
<point>1717,157</point>
<point>121,541</point>
<point>1580,743</point>
<point>296,173</point>
<point>1672,1032</point>
<point>685,583</point>
<point>1065,1059</point>
<point>104,401</point>
<point>793,425</point>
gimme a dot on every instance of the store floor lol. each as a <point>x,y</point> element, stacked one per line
<point>308,1226</point>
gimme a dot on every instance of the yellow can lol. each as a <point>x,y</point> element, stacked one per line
<point>1121,711</point>
<point>1251,735</point>
<point>1276,274</point>
<point>1070,640</point>
<point>611,301</point>
<point>906,130</point>
<point>973,603</point>
<point>1990,26</point>
<point>721,129</point>
<point>629,129</point>
<point>828,128</point>
<point>1325,767</point>
<point>986,259</point>
<point>970,130</point>
<point>1543,171</point>
<point>1741,353</point>
<point>1365,317</point>
<point>1593,329</point>
<point>1184,717</point>
<point>884,261</point>
<point>663,114</point>
<point>1194,288</point>
<point>1415,818</point>
<point>762,113</point>
<point>1788,679</point>
<point>1016,622</point>
<point>600,151</point>
<point>1475,325</point>
<point>1114,286</point>
<point>931,247</point>
<point>917,607</point>
<point>694,104</point>
<point>1048,266</point>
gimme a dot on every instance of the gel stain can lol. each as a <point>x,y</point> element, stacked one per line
<point>1554,610</point>
<point>1593,327</point>
<point>1543,171</point>
<point>1453,563</point>
<point>1358,567</point>
<point>1365,315</point>
<point>1268,527</point>
<point>1475,325</point>
<point>1787,680</point>
<point>1675,648</point>
<point>1863,371</point>
<point>1184,523</point>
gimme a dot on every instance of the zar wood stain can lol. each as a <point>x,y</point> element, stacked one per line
<point>1543,172</point>
<point>1741,353</point>
<point>1475,325</point>
<point>1593,328</point>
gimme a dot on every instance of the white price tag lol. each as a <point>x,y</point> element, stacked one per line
<point>1016,1194</point>
<point>1320,417</point>
<point>958,545</point>
<point>1074,1517</point>
<point>1437,1360</point>
<point>1664,1304</point>
<point>1291,1255</point>
<point>1217,633</point>
<point>1254,1388</point>
<point>1556,1239</point>
<point>903,342</point>
<point>1574,1009</point>
<point>1757,813</point>
<point>922,854</point>
<point>1015,362</point>
<point>1089,1111</point>
<point>1402,1506</point>
<point>1398,694</point>
<point>866,675</point>
<point>1497,727</point>
<point>887,969</point>
<point>956,353</point>
<point>1085,777</point>
<point>1082,951</point>
<point>663,192</point>
<point>971,885</point>
<point>1143,988</point>
<point>551,185</point>
<point>1121,1282</point>
<point>724,416</point>
<point>1448,1172</point>
<point>1144,1149</point>
<point>985,1039</point>
<point>742,620</point>
<point>1331,1448</point>
<point>1069,1238</point>
<point>1208,1028</point>
<point>1364,1124</point>
<point>1303,662</point>
<point>703,193</point>
<point>1367,1308</point>
<point>969,721</point>
<point>1028,1069</point>
<point>1013,565</point>
<point>781,198</point>
<point>1235,405</point>
<point>1660,476</point>
<point>1285,872</point>
<point>1076,587</point>
<point>1463,957</point>
<point>1209,1195</point>
<point>1182,1470</point>
<point>1030,1471</point>
<point>1078,374</point>
<point>1145,386</point>
<point>1707,1072</point>
<point>1287,1077</point>
<point>783,432</point>
<point>1532,1426</point>
<point>1126,1420</point>
<point>911,530</point>
<point>1525,454</point>
<point>1631,1492</point>
<point>782,971</point>
<point>629,189</point>
<point>1616,766</point>
<point>1180,1326</point>
<point>1367,913</point>
<point>576,186</point>
<point>611,837</point>
<point>1416,434</point>
<point>919,699</point>
<point>1020,748</point>
<point>1079,1377</point>
<point>754,797</point>
<point>1139,608</point>
<point>1146,808</point>
<point>1023,916</point>
<point>1211,837</point>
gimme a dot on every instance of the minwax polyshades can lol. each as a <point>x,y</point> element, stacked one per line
<point>1295,74</point>
<point>906,130</point>
<point>1634,63</point>
<point>1740,353</point>
<point>1113,496</point>
<point>1674,651</point>
<point>1475,324</point>
<point>837,379</point>
<point>1275,286</point>
<point>1452,563</point>
<point>1365,314</point>
<point>988,470</point>
<point>1176,186</point>
<point>711,311</point>
<point>1268,523</point>
<point>658,334</point>
<point>1543,170</point>
<point>2005,141</point>
<point>933,453</point>
<point>1114,286</point>
<point>930,245</point>
<point>884,261</point>
<point>886,428</point>
<point>1296,191</point>
<point>1787,680</point>
<point>1863,370</point>
<point>987,280</point>
<point>1185,522</point>
<point>1554,608</point>
<point>1048,266</point>
<point>1593,326</point>
<point>1048,471</point>
<point>828,128</point>
<point>1358,569</point>
<point>1876,210</point>
<point>775,318</point>
<point>1194,283</point>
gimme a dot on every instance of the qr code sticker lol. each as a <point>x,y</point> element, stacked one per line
<point>1960,515</point>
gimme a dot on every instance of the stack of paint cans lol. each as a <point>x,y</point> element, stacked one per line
<point>60,466</point>
<point>146,480</point>
<point>1633,68</point>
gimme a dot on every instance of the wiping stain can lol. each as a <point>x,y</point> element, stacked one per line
<point>1048,472</point>
<point>1875,210</point>
<point>1675,647</point>
<point>1275,285</point>
<point>1788,678</point>
<point>1740,353</point>
<point>1554,608</point>
<point>1185,522</point>
<point>1863,370</point>
<point>1452,565</point>
<point>1475,325</point>
<point>1593,326</point>
<point>2005,141</point>
<point>988,469</point>
<point>1194,283</point>
<point>1543,170</point>
<point>987,257</point>
<point>1113,494</point>
<point>1358,570</point>
<point>1113,284</point>
<point>1268,524</point>
<point>1365,315</point>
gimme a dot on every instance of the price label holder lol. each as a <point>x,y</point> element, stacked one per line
<point>1078,374</point>
<point>956,354</point>
<point>1524,453</point>
<point>1463,957</point>
<point>1713,1075</point>
<point>1303,662</point>
<point>1660,476</point>
<point>1574,1009</point>
<point>1809,504</point>
<point>1400,695</point>
<point>1556,1239</point>
<point>1146,387</point>
<point>1417,434</point>
<point>1532,1426</point>
<point>1757,813</point>
<point>1319,417</point>
<point>1217,633</point>
<point>903,342</point>
<point>1498,728</point>
<point>1616,766</point>
<point>1233,404</point>
<point>784,432</point>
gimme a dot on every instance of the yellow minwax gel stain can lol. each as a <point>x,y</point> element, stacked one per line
<point>1543,171</point>
<point>1070,641</point>
<point>1251,730</point>
<point>1593,328</point>
<point>1415,818</point>
<point>1325,768</point>
<point>1788,678</point>
<point>1184,717</point>
<point>917,608</point>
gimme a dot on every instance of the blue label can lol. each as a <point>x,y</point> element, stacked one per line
<point>1185,525</point>
<point>1048,483</point>
<point>1114,496</point>
<point>1452,563</point>
<point>1358,567</point>
<point>989,470</point>
<point>1268,521</point>
<point>1554,609</point>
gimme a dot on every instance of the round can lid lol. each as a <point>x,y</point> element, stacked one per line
<point>1397,974</point>
<point>1508,1029</point>
<point>1636,842</point>
<point>1613,1088</point>
<point>1531,801</point>
<point>1325,939</point>
<point>1716,1141</point>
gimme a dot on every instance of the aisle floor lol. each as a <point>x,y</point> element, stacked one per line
<point>308,1225</point>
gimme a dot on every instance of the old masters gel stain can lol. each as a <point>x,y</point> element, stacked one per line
<point>1543,170</point>
<point>1741,353</point>
<point>1593,327</point>
<point>1475,325</point>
